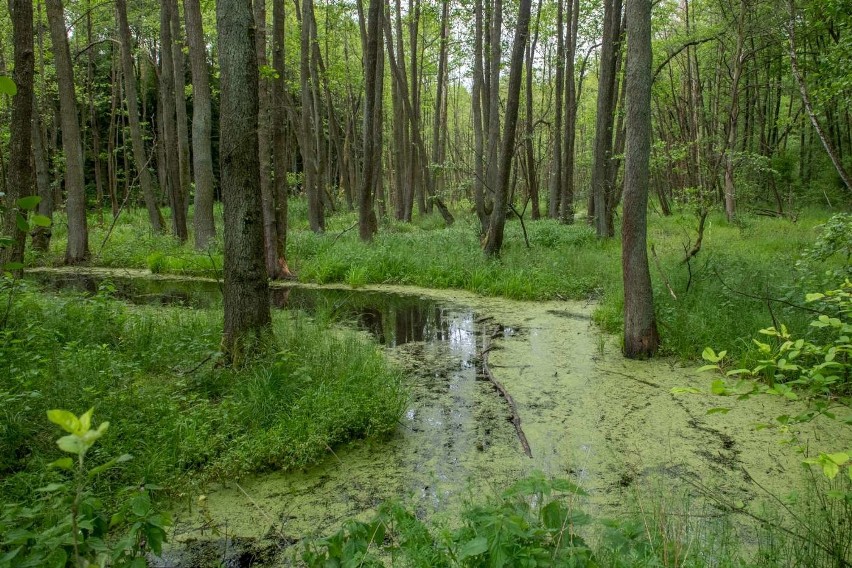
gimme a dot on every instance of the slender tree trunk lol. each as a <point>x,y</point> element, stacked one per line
<point>494,237</point>
<point>479,108</point>
<point>367,224</point>
<point>167,118</point>
<point>557,162</point>
<point>202,154</point>
<point>41,235</point>
<point>604,121</point>
<point>179,61</point>
<point>806,100</point>
<point>279,139</point>
<point>640,328</point>
<point>246,297</point>
<point>78,233</point>
<point>440,103</point>
<point>20,180</point>
<point>733,116</point>
<point>312,183</point>
<point>571,97</point>
<point>140,158</point>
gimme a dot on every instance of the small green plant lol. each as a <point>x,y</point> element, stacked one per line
<point>533,523</point>
<point>69,525</point>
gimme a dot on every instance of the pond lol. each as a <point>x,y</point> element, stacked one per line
<point>609,423</point>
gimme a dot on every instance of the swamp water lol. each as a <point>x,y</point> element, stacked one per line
<point>609,423</point>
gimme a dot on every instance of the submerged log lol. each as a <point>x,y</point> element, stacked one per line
<point>513,409</point>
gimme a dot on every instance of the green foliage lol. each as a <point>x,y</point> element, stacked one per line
<point>68,525</point>
<point>533,523</point>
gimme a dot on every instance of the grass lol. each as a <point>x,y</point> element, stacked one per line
<point>184,419</point>
<point>757,256</point>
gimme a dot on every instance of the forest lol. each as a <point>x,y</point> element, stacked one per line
<point>425,283</point>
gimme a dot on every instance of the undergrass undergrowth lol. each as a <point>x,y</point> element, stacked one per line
<point>152,373</point>
<point>716,298</point>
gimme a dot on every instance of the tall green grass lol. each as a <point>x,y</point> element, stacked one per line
<point>151,373</point>
<point>757,256</point>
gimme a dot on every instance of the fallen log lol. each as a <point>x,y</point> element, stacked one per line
<point>516,418</point>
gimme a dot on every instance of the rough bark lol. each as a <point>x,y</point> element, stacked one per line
<point>140,158</point>
<point>479,103</point>
<point>367,224</point>
<point>640,329</point>
<point>202,154</point>
<point>311,183</point>
<point>20,181</point>
<point>246,297</point>
<point>279,140</point>
<point>556,162</point>
<point>181,121</point>
<point>494,236</point>
<point>604,121</point>
<point>77,250</point>
<point>167,119</point>
<point>571,96</point>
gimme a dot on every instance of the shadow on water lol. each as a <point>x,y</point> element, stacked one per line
<point>392,319</point>
<point>454,431</point>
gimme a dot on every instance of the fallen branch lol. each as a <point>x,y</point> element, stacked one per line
<point>696,248</point>
<point>516,419</point>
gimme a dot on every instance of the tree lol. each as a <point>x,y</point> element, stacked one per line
<point>202,154</point>
<point>139,155</point>
<point>494,237</point>
<point>246,292</point>
<point>20,179</point>
<point>367,224</point>
<point>640,328</point>
<point>279,142</point>
<point>169,123</point>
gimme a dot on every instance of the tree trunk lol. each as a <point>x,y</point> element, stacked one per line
<point>806,100</point>
<point>179,61</point>
<point>202,154</point>
<point>733,116</point>
<point>557,162</point>
<point>571,96</point>
<point>494,237</point>
<point>479,109</point>
<point>605,117</point>
<point>279,140</point>
<point>640,328</point>
<point>140,158</point>
<point>367,224</point>
<point>246,292</point>
<point>167,118</point>
<point>78,233</point>
<point>20,181</point>
<point>440,104</point>
<point>311,181</point>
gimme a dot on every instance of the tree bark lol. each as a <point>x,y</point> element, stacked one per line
<point>202,154</point>
<point>571,96</point>
<point>181,121</point>
<point>77,250</point>
<point>246,292</point>
<point>494,236</point>
<point>640,328</point>
<point>279,140</point>
<point>604,121</point>
<point>168,120</point>
<point>556,161</point>
<point>367,224</point>
<point>140,158</point>
<point>311,181</point>
<point>20,181</point>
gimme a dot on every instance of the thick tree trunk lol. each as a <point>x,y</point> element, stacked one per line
<point>140,158</point>
<point>246,297</point>
<point>640,328</point>
<point>202,154</point>
<point>494,236</point>
<point>78,233</point>
<point>167,118</point>
<point>20,180</point>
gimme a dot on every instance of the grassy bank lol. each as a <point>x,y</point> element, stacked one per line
<point>708,303</point>
<point>151,373</point>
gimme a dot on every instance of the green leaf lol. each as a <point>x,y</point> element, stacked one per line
<point>7,86</point>
<point>28,203</point>
<point>704,368</point>
<point>72,444</point>
<point>41,221</point>
<point>839,458</point>
<point>86,421</point>
<point>554,515</point>
<point>65,420</point>
<point>51,487</point>
<point>13,266</point>
<point>472,548</point>
<point>718,387</point>
<point>686,390</point>
<point>63,463</point>
<point>720,410</point>
<point>21,223</point>
<point>567,486</point>
<point>141,505</point>
<point>814,297</point>
<point>709,355</point>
